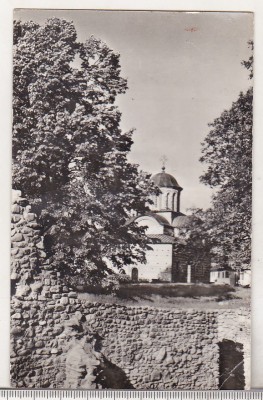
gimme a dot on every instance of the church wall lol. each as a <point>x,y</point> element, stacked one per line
<point>168,215</point>
<point>158,266</point>
<point>153,226</point>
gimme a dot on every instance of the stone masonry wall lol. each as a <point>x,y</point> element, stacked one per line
<point>37,300</point>
<point>159,349</point>
<point>235,325</point>
<point>154,348</point>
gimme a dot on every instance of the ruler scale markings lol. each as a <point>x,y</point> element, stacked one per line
<point>36,394</point>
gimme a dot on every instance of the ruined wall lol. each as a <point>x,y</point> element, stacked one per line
<point>37,302</point>
<point>235,326</point>
<point>154,348</point>
<point>159,349</point>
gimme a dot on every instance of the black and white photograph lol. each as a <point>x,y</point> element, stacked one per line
<point>131,199</point>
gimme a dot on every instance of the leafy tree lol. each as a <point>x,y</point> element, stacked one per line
<point>227,150</point>
<point>194,242</point>
<point>69,153</point>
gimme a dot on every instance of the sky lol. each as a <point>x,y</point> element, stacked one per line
<point>183,71</point>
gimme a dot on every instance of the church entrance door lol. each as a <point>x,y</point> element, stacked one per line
<point>135,275</point>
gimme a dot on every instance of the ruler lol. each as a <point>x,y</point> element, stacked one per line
<point>32,394</point>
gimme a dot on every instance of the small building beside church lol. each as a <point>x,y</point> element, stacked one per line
<point>223,275</point>
<point>163,224</point>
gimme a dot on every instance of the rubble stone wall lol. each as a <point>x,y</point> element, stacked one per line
<point>235,325</point>
<point>159,349</point>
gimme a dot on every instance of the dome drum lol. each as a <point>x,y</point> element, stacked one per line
<point>169,196</point>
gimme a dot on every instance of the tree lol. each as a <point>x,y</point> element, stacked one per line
<point>194,243</point>
<point>227,150</point>
<point>69,153</point>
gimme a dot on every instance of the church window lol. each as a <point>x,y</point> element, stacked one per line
<point>173,200</point>
<point>167,201</point>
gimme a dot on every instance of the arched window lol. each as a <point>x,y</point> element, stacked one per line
<point>160,201</point>
<point>173,201</point>
<point>167,201</point>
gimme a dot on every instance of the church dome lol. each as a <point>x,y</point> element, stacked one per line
<point>164,180</point>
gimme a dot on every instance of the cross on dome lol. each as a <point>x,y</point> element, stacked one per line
<point>163,159</point>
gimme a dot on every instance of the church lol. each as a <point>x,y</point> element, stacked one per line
<point>163,263</point>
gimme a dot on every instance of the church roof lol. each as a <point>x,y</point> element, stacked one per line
<point>159,218</point>
<point>182,221</point>
<point>162,179</point>
<point>222,268</point>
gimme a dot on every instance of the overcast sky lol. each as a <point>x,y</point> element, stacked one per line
<point>183,71</point>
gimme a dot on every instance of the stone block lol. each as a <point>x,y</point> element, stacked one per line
<point>64,301</point>
<point>16,330</point>
<point>54,289</point>
<point>43,351</point>
<point>156,376</point>
<point>18,237</point>
<point>33,225</point>
<point>23,352</point>
<point>16,209</point>
<point>40,245</point>
<point>72,295</point>
<point>16,218</point>
<point>39,344</point>
<point>160,355</point>
<point>29,217</point>
<point>42,254</point>
<point>17,316</point>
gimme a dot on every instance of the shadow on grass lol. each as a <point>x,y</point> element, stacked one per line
<point>226,297</point>
<point>149,291</point>
<point>146,291</point>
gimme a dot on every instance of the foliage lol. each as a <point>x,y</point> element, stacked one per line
<point>194,242</point>
<point>69,153</point>
<point>227,151</point>
<point>248,64</point>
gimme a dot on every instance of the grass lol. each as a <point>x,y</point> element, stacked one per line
<point>172,290</point>
<point>175,295</point>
